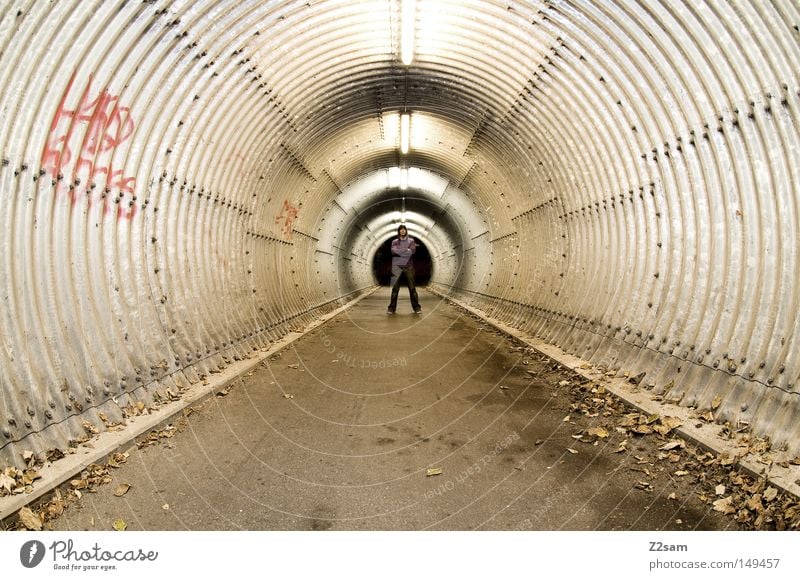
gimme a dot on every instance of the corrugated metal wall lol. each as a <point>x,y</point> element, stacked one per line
<point>621,179</point>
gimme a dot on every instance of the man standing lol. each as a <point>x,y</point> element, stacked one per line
<point>403,248</point>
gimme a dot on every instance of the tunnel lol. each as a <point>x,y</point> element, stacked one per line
<point>186,182</point>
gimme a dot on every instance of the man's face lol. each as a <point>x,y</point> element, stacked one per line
<point>403,233</point>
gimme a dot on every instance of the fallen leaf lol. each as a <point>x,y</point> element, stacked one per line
<point>433,471</point>
<point>566,419</point>
<point>122,489</point>
<point>720,489</point>
<point>725,505</point>
<point>79,484</point>
<point>681,473</point>
<point>563,383</point>
<point>503,387</point>
<point>295,366</point>
<point>165,507</point>
<point>672,496</point>
<point>7,483</point>
<point>78,494</point>
<point>29,519</point>
<point>598,432</point>
<point>27,456</point>
<point>770,494</point>
<point>754,503</point>
<point>55,508</point>
<point>715,403</point>
<point>288,396</point>
<point>573,451</point>
<point>30,475</point>
<point>674,444</point>
<point>120,525</point>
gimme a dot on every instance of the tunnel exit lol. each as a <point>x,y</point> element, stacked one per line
<point>382,263</point>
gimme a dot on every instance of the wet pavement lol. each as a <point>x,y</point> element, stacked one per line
<point>405,422</point>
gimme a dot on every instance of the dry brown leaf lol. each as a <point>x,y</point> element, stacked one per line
<point>122,489</point>
<point>7,483</point>
<point>643,429</point>
<point>433,471</point>
<point>79,484</point>
<point>720,489</point>
<point>573,451</point>
<point>715,403</point>
<point>55,508</point>
<point>725,505</point>
<point>29,519</point>
<point>673,444</point>
<point>681,473</point>
<point>30,475</point>
<point>754,503</point>
<point>672,496</point>
<point>599,432</point>
<point>770,494</point>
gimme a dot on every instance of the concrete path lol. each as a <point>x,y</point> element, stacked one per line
<point>340,431</point>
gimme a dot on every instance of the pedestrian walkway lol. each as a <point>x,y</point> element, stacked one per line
<point>404,422</point>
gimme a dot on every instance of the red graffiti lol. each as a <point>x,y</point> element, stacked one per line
<point>95,128</point>
<point>290,212</point>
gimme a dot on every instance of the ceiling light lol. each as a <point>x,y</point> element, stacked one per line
<point>405,132</point>
<point>407,29</point>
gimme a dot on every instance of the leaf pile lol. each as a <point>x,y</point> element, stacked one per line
<point>718,480</point>
<point>93,476</point>
<point>14,481</point>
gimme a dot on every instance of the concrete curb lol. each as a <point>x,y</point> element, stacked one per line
<point>786,479</point>
<point>103,445</point>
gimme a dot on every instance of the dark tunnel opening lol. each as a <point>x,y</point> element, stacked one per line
<point>382,263</point>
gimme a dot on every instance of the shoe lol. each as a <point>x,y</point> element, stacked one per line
<point>418,311</point>
<point>390,311</point>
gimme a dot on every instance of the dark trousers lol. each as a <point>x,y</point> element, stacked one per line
<point>398,275</point>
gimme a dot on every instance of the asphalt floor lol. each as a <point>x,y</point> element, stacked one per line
<point>431,421</point>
